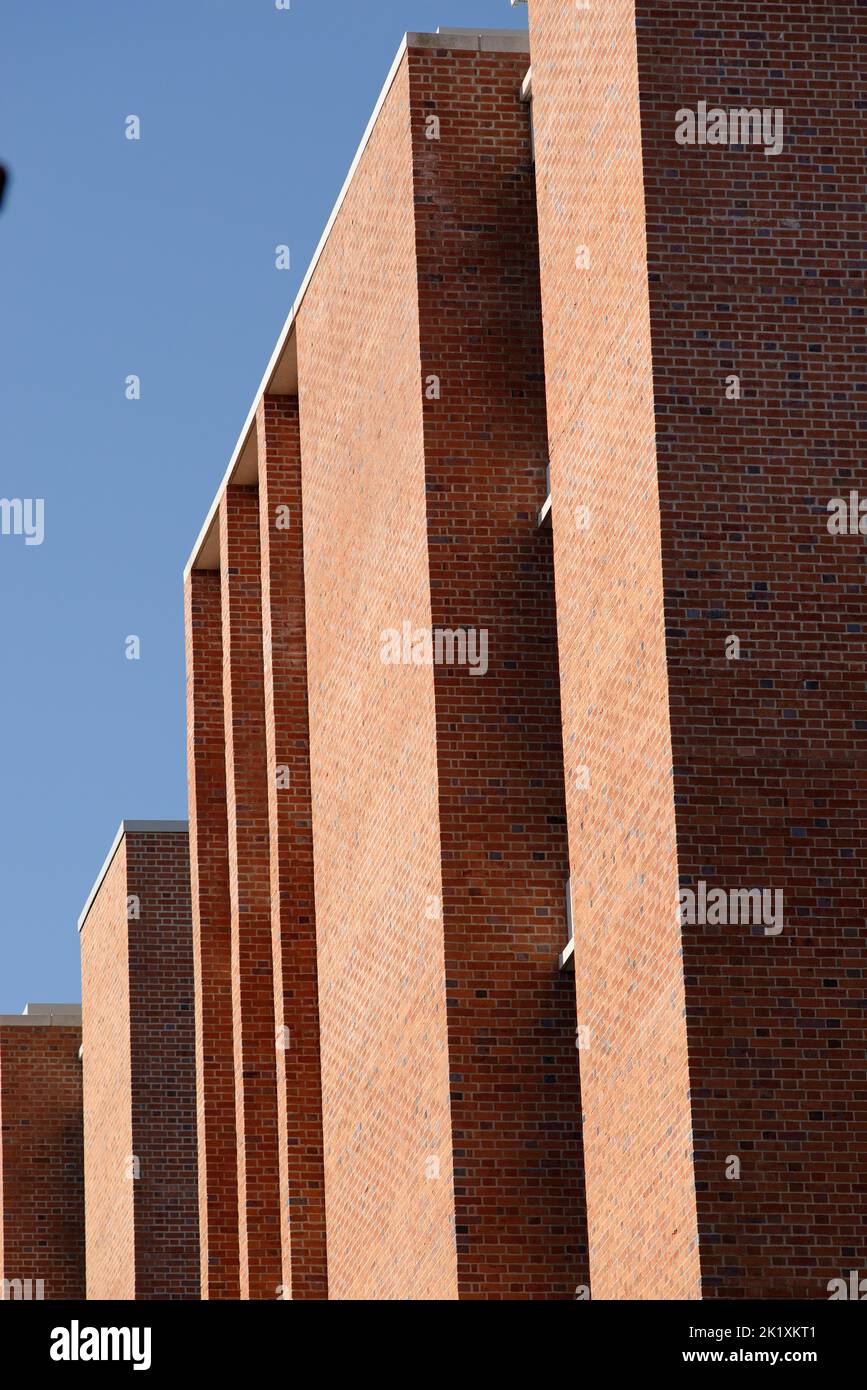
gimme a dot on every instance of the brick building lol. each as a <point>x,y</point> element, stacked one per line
<point>141,1210</point>
<point>424,1083</point>
<point>41,1186</point>
<point>395,459</point>
<point>516,948</point>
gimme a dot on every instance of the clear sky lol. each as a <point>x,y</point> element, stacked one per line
<point>155,258</point>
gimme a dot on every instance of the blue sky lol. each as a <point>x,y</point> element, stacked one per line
<point>153,258</point>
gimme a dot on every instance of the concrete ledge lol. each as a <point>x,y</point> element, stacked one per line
<point>40,1010</point>
<point>44,1016</point>
<point>474,40</point>
<point>131,827</point>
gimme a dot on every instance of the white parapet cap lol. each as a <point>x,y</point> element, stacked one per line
<point>281,373</point>
<point>44,1016</point>
<point>131,827</point>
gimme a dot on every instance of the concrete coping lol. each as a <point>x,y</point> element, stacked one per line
<point>281,373</point>
<point>474,40</point>
<point>44,1016</point>
<point>131,827</point>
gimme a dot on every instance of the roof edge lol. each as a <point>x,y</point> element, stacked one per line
<point>130,827</point>
<point>44,1016</point>
<point>473,40</point>
<point>289,325</point>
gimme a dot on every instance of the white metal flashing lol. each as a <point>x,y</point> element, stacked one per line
<point>126,827</point>
<point>567,953</point>
<point>545,510</point>
<point>281,374</point>
<point>569,950</point>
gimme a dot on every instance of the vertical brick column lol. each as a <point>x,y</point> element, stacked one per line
<point>515,1095</point>
<point>385,1065</point>
<point>212,937</point>
<point>704,367</point>
<point>452,1103</point>
<point>41,1159</point>
<point>641,1211</point>
<point>139,1070</point>
<point>293,913</point>
<point>109,1148</point>
<point>163,1065</point>
<point>247,777</point>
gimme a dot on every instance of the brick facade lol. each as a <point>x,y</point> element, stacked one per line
<point>401,1088</point>
<point>614,678</point>
<point>425,971</point>
<point>41,1159</point>
<point>373,746</point>
<point>293,912</point>
<point>139,1071</point>
<point>247,778</point>
<point>750,272</point>
<point>755,268</point>
<point>212,938</point>
<point>515,1098</point>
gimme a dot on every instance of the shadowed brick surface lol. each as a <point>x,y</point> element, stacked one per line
<point>293,917</point>
<point>247,778</point>
<point>515,1099</point>
<point>212,939</point>
<point>755,267</point>
<point>41,1160</point>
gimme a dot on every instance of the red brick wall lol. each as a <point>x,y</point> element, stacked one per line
<point>139,1075</point>
<point>107,1073</point>
<point>293,915</point>
<point>41,1160</point>
<point>373,745</point>
<point>628,971</point>
<point>750,270</point>
<point>162,1061</point>
<point>212,938</point>
<point>755,268</point>
<point>438,808</point>
<point>515,1098</point>
<point>247,776</point>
